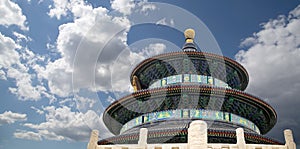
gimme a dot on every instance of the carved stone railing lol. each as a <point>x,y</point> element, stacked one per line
<point>197,139</point>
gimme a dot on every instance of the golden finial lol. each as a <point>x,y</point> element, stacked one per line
<point>189,35</point>
<point>135,83</point>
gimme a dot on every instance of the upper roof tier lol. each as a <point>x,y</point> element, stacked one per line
<point>162,66</point>
<point>189,66</point>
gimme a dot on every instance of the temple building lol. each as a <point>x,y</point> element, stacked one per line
<point>190,99</point>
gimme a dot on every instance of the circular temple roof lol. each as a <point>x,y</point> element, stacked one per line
<point>195,97</point>
<point>191,62</point>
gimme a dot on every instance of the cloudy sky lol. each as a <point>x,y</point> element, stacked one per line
<point>63,61</point>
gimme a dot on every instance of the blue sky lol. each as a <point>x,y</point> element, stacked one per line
<point>63,61</point>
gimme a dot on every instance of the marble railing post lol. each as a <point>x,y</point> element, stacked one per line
<point>240,139</point>
<point>197,135</point>
<point>289,140</point>
<point>93,140</point>
<point>143,137</point>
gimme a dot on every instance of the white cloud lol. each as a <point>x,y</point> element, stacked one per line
<point>110,99</point>
<point>24,88</point>
<point>147,7</point>
<point>9,117</point>
<point>62,8</point>
<point>272,60</point>
<point>3,75</point>
<point>68,102</point>
<point>90,31</point>
<point>21,37</point>
<point>16,62</point>
<point>89,47</point>
<point>27,135</point>
<point>64,124</point>
<point>166,22</point>
<point>40,112</point>
<point>8,54</point>
<point>154,49</point>
<point>59,9</point>
<point>84,103</point>
<point>123,6</point>
<point>49,135</point>
<point>59,77</point>
<point>11,14</point>
<point>295,12</point>
<point>248,42</point>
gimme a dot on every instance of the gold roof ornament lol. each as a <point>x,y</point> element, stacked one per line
<point>189,45</point>
<point>189,35</point>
